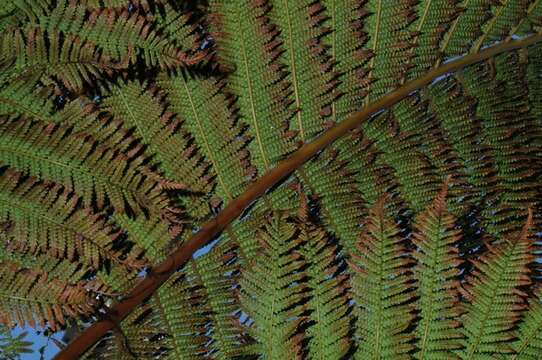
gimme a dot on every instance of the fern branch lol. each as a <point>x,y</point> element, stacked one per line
<point>210,229</point>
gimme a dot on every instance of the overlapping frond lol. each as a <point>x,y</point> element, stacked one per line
<point>495,296</point>
<point>437,273</point>
<point>98,173</point>
<point>119,35</point>
<point>51,55</point>
<point>529,343</point>
<point>207,114</point>
<point>248,42</point>
<point>165,138</point>
<point>44,218</point>
<point>272,291</point>
<point>382,289</point>
<point>329,326</point>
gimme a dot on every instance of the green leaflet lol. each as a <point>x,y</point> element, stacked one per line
<point>249,45</point>
<point>165,137</point>
<point>271,291</point>
<point>436,272</point>
<point>206,114</point>
<point>495,298</point>
<point>382,290</point>
<point>13,346</point>
<point>328,330</point>
<point>99,174</point>
<point>529,344</point>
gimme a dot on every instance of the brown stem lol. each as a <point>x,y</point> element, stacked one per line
<point>161,272</point>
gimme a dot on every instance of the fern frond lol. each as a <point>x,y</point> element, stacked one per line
<point>14,12</point>
<point>465,29</point>
<point>217,272</point>
<point>119,35</point>
<point>433,19</point>
<point>165,138</point>
<point>339,202</point>
<point>373,175</point>
<point>388,45</point>
<point>45,218</point>
<point>34,298</point>
<point>436,272</point>
<point>206,114</point>
<point>533,74</point>
<point>382,289</point>
<point>53,56</point>
<point>309,68</point>
<point>531,22</point>
<point>248,42</point>
<point>94,171</point>
<point>345,41</point>
<point>329,321</point>
<point>181,316</point>
<point>505,15</point>
<point>414,174</point>
<point>508,137</point>
<point>529,341</point>
<point>271,291</point>
<point>12,347</point>
<point>455,112</point>
<point>495,298</point>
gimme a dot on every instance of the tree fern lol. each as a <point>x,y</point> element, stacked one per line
<point>303,143</point>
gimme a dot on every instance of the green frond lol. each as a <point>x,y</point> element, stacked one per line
<point>436,273</point>
<point>217,272</point>
<point>432,144</point>
<point>328,301</point>
<point>24,97</point>
<point>247,42</point>
<point>308,66</point>
<point>416,177</point>
<point>345,41</point>
<point>15,12</point>
<point>382,290</point>
<point>44,218</point>
<point>531,22</point>
<point>529,334</point>
<point>372,175</point>
<point>509,138</point>
<point>54,56</point>
<point>181,315</point>
<point>533,74</point>
<point>434,18</point>
<point>454,110</point>
<point>339,202</point>
<point>165,138</point>
<point>465,29</point>
<point>120,36</point>
<point>97,173</point>
<point>207,115</point>
<point>155,235</point>
<point>505,16</point>
<point>495,297</point>
<point>272,290</point>
<point>387,45</point>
